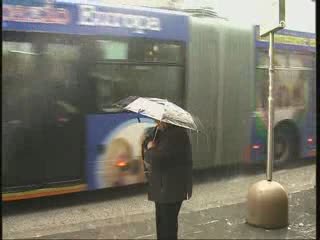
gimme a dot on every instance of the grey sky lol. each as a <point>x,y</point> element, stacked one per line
<point>300,14</point>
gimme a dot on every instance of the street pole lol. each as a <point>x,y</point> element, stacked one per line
<point>267,203</point>
<point>270,110</point>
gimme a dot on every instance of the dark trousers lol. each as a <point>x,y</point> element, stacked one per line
<point>167,220</point>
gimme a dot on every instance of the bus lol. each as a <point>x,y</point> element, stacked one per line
<point>66,62</point>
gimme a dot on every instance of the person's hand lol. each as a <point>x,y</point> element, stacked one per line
<point>151,144</point>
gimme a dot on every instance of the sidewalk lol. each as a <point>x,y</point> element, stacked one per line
<point>226,222</point>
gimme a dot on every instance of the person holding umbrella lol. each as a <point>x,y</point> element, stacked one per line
<point>170,175</point>
<point>166,151</point>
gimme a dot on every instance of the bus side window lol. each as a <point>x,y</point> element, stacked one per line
<point>61,77</point>
<point>19,61</point>
<point>128,70</point>
<point>299,79</point>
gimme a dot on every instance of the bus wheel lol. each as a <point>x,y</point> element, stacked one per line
<point>285,146</point>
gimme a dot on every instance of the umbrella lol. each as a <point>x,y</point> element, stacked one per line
<point>159,109</point>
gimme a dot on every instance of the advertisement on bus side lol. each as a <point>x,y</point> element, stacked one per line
<point>113,146</point>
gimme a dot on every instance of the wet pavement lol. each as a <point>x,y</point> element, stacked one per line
<point>227,222</point>
<point>217,203</point>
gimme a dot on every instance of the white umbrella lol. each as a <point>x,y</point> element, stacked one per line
<point>159,109</point>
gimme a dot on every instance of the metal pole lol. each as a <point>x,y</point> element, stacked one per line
<point>270,110</point>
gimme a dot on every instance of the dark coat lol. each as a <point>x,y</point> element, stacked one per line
<point>169,165</point>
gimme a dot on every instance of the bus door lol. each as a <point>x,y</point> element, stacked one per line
<point>23,114</point>
<point>64,134</point>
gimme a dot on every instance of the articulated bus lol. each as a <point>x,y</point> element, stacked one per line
<point>66,62</point>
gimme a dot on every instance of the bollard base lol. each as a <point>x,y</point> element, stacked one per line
<point>267,205</point>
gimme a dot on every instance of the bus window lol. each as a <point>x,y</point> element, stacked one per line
<point>67,63</point>
<point>300,60</point>
<point>153,51</point>
<point>23,111</point>
<point>290,86</point>
<point>261,89</point>
<point>171,53</point>
<point>281,89</point>
<point>299,87</point>
<point>64,72</point>
<point>18,60</point>
<point>281,59</point>
<point>114,50</point>
<point>262,58</point>
<point>290,89</point>
<point>115,82</point>
<point>138,67</point>
<point>138,50</point>
<point>163,52</point>
<point>61,76</point>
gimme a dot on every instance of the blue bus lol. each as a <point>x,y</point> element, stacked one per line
<point>295,101</point>
<point>66,62</point>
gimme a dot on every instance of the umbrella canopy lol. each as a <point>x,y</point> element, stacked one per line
<point>159,109</point>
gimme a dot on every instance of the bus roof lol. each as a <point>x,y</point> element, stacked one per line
<point>83,17</point>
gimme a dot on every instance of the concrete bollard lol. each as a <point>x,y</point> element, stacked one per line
<point>267,205</point>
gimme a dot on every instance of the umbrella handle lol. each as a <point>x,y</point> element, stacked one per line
<point>154,137</point>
